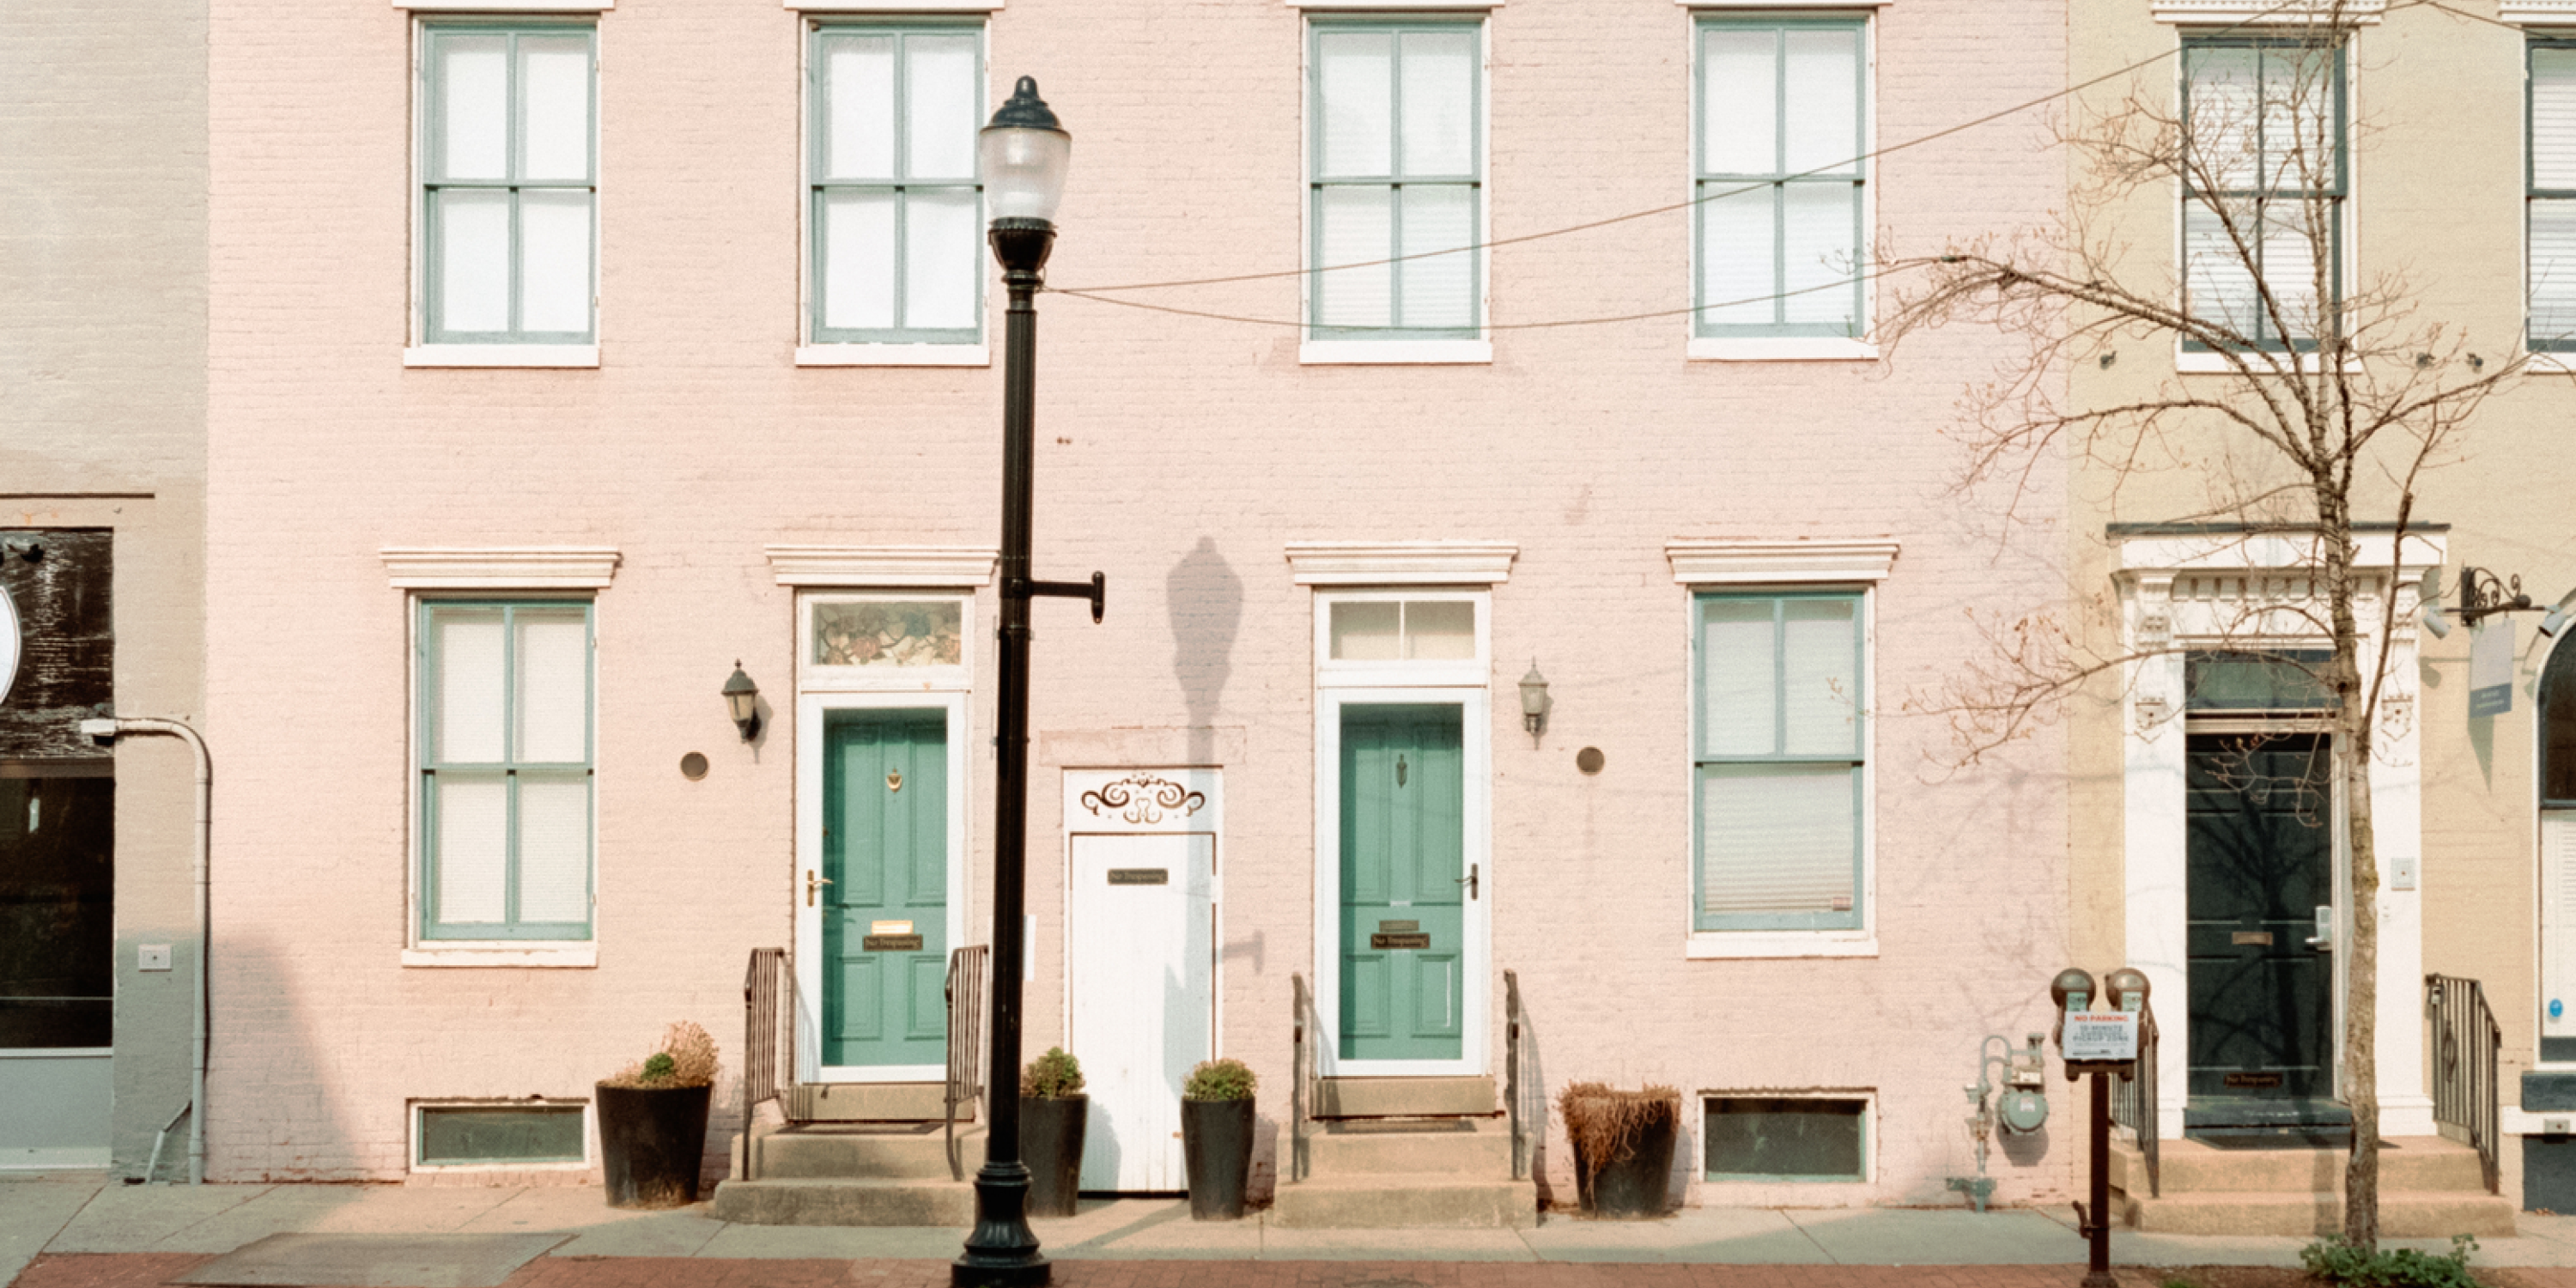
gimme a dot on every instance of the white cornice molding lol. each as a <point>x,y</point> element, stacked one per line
<point>1712,561</point>
<point>499,567</point>
<point>2361,13</point>
<point>1401,563</point>
<point>864,566</point>
<point>2538,13</point>
<point>2166,555</point>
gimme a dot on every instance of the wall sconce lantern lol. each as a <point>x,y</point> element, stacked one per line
<point>1534,701</point>
<point>742,700</point>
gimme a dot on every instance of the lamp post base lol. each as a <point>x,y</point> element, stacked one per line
<point>1003,1251</point>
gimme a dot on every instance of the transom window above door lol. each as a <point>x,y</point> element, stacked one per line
<point>1404,637</point>
<point>911,640</point>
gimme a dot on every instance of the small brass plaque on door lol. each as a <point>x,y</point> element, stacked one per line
<point>1399,941</point>
<point>2243,937</point>
<point>1392,927</point>
<point>1140,876</point>
<point>2252,1081</point>
<point>891,943</point>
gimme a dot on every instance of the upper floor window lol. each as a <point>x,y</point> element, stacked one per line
<point>508,184</point>
<point>1396,173</point>
<point>2558,856</point>
<point>895,212</point>
<point>2550,194</point>
<point>2263,186</point>
<point>505,770</point>
<point>1780,753</point>
<point>1782,223</point>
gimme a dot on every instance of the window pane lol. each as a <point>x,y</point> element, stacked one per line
<point>1737,267</point>
<point>858,260</point>
<point>943,258</point>
<point>2217,281</point>
<point>2553,119</point>
<point>2298,119</point>
<point>2558,923</point>
<point>2223,103</point>
<point>1357,79</point>
<point>554,82</point>
<point>554,849</point>
<point>1819,661</point>
<point>1357,228</point>
<point>501,1134</point>
<point>1365,632</point>
<point>468,649</point>
<point>1439,96</point>
<point>1440,629</point>
<point>939,116</point>
<point>2553,272</point>
<point>1818,256</point>
<point>554,261</point>
<point>1776,839</point>
<point>1824,99</point>
<point>472,857</point>
<point>2290,261</point>
<point>474,109</point>
<point>1738,685</point>
<point>1441,291</point>
<point>473,260</point>
<point>554,687</point>
<point>57,912</point>
<point>1786,1139</point>
<point>859,117</point>
<point>1740,109</point>
<point>892,633</point>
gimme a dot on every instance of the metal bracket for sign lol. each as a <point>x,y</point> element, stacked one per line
<point>1096,590</point>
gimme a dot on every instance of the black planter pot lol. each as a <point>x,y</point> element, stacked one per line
<point>1216,1144</point>
<point>652,1144</point>
<point>1631,1188</point>
<point>1051,1144</point>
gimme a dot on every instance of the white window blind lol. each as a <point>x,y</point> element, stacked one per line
<point>508,193</point>
<point>896,224</point>
<point>505,771</point>
<point>1779,761</point>
<point>1397,180</point>
<point>2551,197</point>
<point>1780,216</point>
<point>2263,187</point>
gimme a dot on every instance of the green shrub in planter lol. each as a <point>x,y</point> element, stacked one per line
<point>2347,1266</point>
<point>1216,1137</point>
<point>1053,1116</point>
<point>1227,1079</point>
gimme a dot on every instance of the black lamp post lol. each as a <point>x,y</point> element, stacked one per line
<point>1024,152</point>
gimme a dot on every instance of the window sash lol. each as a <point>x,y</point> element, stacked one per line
<point>1787,884</point>
<point>2549,190</point>
<point>1730,300</point>
<point>514,186</point>
<point>443,892</point>
<point>2257,199</point>
<point>900,187</point>
<point>1424,209</point>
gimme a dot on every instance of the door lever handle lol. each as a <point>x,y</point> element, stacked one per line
<point>1469,881</point>
<point>812,882</point>
<point>2323,940</point>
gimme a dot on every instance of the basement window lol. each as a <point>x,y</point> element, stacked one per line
<point>1787,1138</point>
<point>511,1135</point>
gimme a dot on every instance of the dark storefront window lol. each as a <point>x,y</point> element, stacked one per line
<point>57,915</point>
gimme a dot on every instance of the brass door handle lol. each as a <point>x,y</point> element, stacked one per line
<point>811,882</point>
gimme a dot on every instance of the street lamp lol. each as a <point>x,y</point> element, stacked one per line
<point>1024,152</point>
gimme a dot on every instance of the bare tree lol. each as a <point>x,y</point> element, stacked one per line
<point>2330,395</point>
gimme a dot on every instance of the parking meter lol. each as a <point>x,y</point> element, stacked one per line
<point>2101,1043</point>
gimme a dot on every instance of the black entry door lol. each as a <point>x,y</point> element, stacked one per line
<point>2261,862</point>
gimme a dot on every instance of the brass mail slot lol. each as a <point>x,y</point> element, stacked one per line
<point>891,943</point>
<point>2263,937</point>
<point>2251,1081</point>
<point>1399,941</point>
<point>1395,927</point>
<point>1140,876</point>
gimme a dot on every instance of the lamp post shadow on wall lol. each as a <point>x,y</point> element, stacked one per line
<point>1024,152</point>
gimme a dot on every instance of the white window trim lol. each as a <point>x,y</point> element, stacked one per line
<point>1741,561</point>
<point>1401,563</point>
<point>814,677</point>
<point>2209,362</point>
<point>1395,6</point>
<point>1782,348</point>
<point>501,355</point>
<point>589,1134</point>
<point>1394,353</point>
<point>883,567</point>
<point>977,354</point>
<point>506,6</point>
<point>2538,13</point>
<point>2550,364</point>
<point>2280,13</point>
<point>894,6</point>
<point>1444,672</point>
<point>499,569</point>
<point>478,953</point>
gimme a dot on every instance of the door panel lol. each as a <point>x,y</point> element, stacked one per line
<point>1143,998</point>
<point>885,911</point>
<point>2260,854</point>
<point>1403,864</point>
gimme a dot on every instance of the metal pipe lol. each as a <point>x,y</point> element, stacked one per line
<point>2097,1269</point>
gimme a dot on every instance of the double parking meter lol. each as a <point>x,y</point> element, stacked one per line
<point>2102,1042</point>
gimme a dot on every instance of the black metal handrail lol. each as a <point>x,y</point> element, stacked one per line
<point>2467,1052</point>
<point>768,1041</point>
<point>1512,1071</point>
<point>967,968</point>
<point>2133,1102</point>
<point>1300,1093</point>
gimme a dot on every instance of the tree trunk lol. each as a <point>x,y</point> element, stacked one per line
<point>2361,962</point>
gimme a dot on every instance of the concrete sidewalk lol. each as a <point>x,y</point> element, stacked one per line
<point>82,1214</point>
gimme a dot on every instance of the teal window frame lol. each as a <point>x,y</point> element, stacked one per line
<point>433,327</point>
<point>1707,184</point>
<point>1705,763</point>
<point>2533,195</point>
<point>509,769</point>
<point>2262,195</point>
<point>819,184</point>
<point>1394,180</point>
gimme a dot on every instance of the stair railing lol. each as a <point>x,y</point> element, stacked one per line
<point>2467,1046</point>
<point>966,978</point>
<point>2134,1105</point>
<point>1512,1072</point>
<point>768,1041</point>
<point>1300,1095</point>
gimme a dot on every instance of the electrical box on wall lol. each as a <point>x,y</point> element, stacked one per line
<point>152,957</point>
<point>2401,873</point>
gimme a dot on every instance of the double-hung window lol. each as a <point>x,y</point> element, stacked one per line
<point>1396,180</point>
<point>2550,194</point>
<point>1780,173</point>
<point>505,770</point>
<point>1780,756</point>
<point>2263,187</point>
<point>894,218</point>
<point>508,184</point>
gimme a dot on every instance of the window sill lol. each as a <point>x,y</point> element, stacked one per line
<point>501,355</point>
<point>2552,363</point>
<point>1722,945</point>
<point>893,355</point>
<point>895,6</point>
<point>506,6</point>
<point>1361,353</point>
<point>475,954</point>
<point>1781,349</point>
<point>2189,362</point>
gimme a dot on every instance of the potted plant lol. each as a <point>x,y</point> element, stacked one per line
<point>1216,1137</point>
<point>1623,1147</point>
<point>653,1122</point>
<point>1053,1112</point>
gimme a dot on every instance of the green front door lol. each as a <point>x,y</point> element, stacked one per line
<point>2260,855</point>
<point>885,911</point>
<point>1404,887</point>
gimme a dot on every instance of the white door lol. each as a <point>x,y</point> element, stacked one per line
<point>1141,941</point>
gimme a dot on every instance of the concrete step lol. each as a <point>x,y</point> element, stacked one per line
<point>1405,1201</point>
<point>873,1202</point>
<point>2403,1214</point>
<point>822,1151</point>
<point>2414,1163</point>
<point>1404,1097</point>
<point>1464,1147</point>
<point>870,1101</point>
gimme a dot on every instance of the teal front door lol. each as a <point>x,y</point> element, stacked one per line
<point>884,895</point>
<point>1405,882</point>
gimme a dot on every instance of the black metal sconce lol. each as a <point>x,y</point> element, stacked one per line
<point>742,700</point>
<point>1534,701</point>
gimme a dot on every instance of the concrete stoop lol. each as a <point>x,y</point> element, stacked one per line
<point>852,1173</point>
<point>2429,1188</point>
<point>1439,1158</point>
<point>1405,1201</point>
<point>846,1201</point>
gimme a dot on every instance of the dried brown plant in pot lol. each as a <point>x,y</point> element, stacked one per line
<point>1623,1146</point>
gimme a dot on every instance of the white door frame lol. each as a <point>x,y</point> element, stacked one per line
<point>810,716</point>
